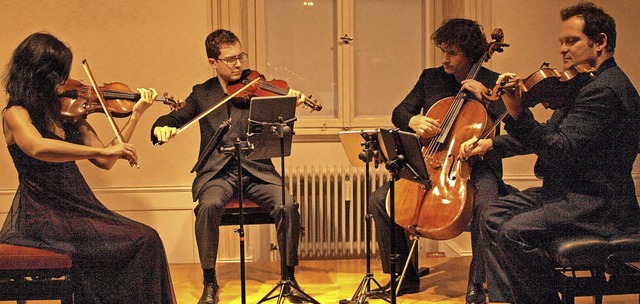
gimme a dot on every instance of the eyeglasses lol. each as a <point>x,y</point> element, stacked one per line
<point>231,61</point>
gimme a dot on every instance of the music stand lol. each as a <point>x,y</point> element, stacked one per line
<point>271,119</point>
<point>236,150</point>
<point>405,147</point>
<point>352,142</point>
<point>402,152</point>
<point>213,144</point>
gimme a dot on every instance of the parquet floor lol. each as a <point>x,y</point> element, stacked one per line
<point>329,281</point>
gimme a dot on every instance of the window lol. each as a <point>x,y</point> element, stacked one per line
<point>359,58</point>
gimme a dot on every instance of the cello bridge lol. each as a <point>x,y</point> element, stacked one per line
<point>432,162</point>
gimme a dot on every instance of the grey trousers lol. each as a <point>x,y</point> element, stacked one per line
<point>216,194</point>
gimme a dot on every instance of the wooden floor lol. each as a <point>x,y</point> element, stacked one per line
<point>329,281</point>
<point>326,281</point>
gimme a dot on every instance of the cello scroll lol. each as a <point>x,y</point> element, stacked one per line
<point>497,45</point>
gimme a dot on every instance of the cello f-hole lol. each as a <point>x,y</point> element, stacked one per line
<point>451,175</point>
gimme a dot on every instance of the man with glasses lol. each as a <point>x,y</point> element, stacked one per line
<point>463,44</point>
<point>216,183</point>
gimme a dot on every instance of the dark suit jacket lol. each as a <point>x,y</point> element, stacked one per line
<point>586,152</point>
<point>202,97</point>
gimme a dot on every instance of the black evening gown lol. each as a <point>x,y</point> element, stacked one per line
<point>115,259</point>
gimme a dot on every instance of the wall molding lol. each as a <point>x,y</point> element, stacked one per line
<point>185,190</point>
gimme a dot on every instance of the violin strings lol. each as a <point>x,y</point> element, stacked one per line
<point>112,94</point>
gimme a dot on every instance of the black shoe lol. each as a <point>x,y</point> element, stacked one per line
<point>209,294</point>
<point>475,294</point>
<point>408,286</point>
<point>293,294</point>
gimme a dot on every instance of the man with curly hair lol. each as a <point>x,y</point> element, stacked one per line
<point>463,44</point>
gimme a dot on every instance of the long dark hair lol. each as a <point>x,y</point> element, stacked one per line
<point>39,64</point>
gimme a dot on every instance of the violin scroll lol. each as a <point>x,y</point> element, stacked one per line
<point>170,101</point>
<point>313,104</point>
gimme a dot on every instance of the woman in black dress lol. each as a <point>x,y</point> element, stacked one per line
<point>115,259</point>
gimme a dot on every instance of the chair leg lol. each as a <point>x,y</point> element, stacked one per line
<point>68,299</point>
<point>601,282</point>
<point>567,289</point>
<point>568,298</point>
<point>597,299</point>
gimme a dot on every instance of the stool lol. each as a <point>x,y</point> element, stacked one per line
<point>253,214</point>
<point>609,261</point>
<point>28,273</point>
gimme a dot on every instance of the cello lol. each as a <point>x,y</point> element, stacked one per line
<point>445,210</point>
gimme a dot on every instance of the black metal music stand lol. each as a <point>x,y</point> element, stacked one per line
<point>271,119</point>
<point>402,152</point>
<point>239,147</point>
<point>213,144</point>
<point>358,156</point>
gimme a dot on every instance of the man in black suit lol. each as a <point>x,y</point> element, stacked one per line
<point>216,182</point>
<point>585,155</point>
<point>463,44</point>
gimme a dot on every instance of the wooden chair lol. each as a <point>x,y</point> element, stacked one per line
<point>28,273</point>
<point>253,214</point>
<point>611,266</point>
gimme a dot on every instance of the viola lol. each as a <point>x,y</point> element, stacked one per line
<point>546,85</point>
<point>80,100</point>
<point>265,88</point>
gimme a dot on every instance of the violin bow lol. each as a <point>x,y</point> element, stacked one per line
<point>112,122</point>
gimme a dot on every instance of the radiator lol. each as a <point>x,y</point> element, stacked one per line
<point>333,209</point>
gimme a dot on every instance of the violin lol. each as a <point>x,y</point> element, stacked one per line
<point>265,88</point>
<point>251,84</point>
<point>79,99</point>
